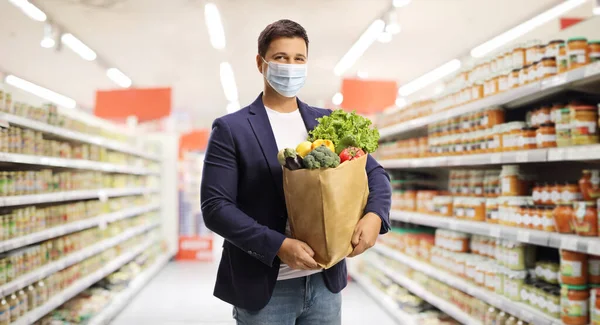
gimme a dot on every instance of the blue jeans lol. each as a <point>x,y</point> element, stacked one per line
<point>301,301</point>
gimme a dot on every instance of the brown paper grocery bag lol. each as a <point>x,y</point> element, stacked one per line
<point>324,206</point>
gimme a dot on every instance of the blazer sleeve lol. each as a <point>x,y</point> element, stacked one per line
<point>380,193</point>
<point>218,200</point>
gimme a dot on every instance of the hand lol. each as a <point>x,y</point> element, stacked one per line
<point>297,255</point>
<point>365,233</point>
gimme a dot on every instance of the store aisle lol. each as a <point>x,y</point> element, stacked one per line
<point>182,295</point>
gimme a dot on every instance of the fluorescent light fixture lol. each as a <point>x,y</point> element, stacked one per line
<point>401,3</point>
<point>214,25</point>
<point>361,45</point>
<point>524,28</point>
<point>29,9</point>
<point>233,107</point>
<point>429,78</point>
<point>228,82</point>
<point>401,102</point>
<point>118,77</point>
<point>384,37</point>
<point>39,91</point>
<point>439,89</point>
<point>337,99</point>
<point>78,47</point>
<point>47,43</point>
<point>393,28</point>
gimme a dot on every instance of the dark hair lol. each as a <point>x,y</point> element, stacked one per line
<point>280,28</point>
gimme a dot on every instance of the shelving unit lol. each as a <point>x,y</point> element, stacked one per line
<point>590,245</point>
<point>384,300</point>
<point>518,309</point>
<point>104,219</point>
<point>79,286</point>
<point>124,298</point>
<point>102,194</point>
<point>72,259</point>
<point>428,296</point>
<point>14,158</point>
<point>579,153</point>
<point>511,98</point>
<point>66,134</point>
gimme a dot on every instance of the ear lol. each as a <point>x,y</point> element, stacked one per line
<point>259,63</point>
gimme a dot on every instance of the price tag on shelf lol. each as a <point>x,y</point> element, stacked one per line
<point>522,157</point>
<point>554,81</point>
<point>102,196</point>
<point>495,232</point>
<point>102,225</point>
<point>593,248</point>
<point>496,159</point>
<point>523,236</point>
<point>556,154</point>
<point>568,243</point>
<point>592,69</point>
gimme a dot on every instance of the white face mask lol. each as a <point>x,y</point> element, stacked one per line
<point>286,79</point>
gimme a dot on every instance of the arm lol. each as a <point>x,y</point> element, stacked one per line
<point>218,197</point>
<point>380,193</point>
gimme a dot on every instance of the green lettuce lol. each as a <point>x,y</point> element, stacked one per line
<point>346,130</point>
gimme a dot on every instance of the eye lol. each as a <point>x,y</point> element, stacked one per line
<point>279,57</point>
<point>300,59</point>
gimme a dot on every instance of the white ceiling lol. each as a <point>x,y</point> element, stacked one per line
<point>165,43</point>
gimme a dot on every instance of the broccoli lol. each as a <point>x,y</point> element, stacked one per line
<point>321,157</point>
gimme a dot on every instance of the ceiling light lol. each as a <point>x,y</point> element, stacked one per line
<point>214,25</point>
<point>228,82</point>
<point>429,78</point>
<point>401,3</point>
<point>50,36</point>
<point>47,43</point>
<point>393,28</point>
<point>39,91</point>
<point>118,77</point>
<point>78,47</point>
<point>384,37</point>
<point>361,45</point>
<point>233,107</point>
<point>29,9</point>
<point>524,28</point>
<point>401,102</point>
<point>596,10</point>
<point>439,89</point>
<point>337,99</point>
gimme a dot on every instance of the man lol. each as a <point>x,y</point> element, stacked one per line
<point>270,278</point>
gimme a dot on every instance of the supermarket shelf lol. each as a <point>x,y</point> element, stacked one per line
<point>517,309</point>
<point>124,298</point>
<point>75,136</point>
<point>388,304</point>
<point>72,259</point>
<point>510,98</point>
<point>73,195</point>
<point>427,295</point>
<point>590,245</point>
<point>73,163</point>
<point>79,286</point>
<point>580,153</point>
<point>14,243</point>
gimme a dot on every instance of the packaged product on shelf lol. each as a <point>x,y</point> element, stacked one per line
<point>575,304</point>
<point>573,268</point>
<point>589,184</point>
<point>577,52</point>
<point>584,124</point>
<point>585,218</point>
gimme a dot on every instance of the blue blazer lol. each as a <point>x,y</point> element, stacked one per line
<point>243,201</point>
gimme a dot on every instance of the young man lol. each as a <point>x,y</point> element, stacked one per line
<point>270,278</point>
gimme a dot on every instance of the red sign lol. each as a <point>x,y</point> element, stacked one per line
<point>195,249</point>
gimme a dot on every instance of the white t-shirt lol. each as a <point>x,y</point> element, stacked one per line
<point>289,130</point>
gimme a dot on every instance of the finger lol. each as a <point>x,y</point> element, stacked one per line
<point>356,235</point>
<point>308,250</point>
<point>359,249</point>
<point>310,262</point>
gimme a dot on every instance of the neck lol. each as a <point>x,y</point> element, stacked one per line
<point>276,102</point>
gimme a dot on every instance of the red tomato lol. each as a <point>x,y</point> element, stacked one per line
<point>351,153</point>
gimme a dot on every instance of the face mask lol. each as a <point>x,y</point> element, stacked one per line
<point>286,79</point>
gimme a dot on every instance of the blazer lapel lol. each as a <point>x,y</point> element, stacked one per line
<point>308,115</point>
<point>259,121</point>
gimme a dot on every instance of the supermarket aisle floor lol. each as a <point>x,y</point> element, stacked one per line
<point>182,295</point>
